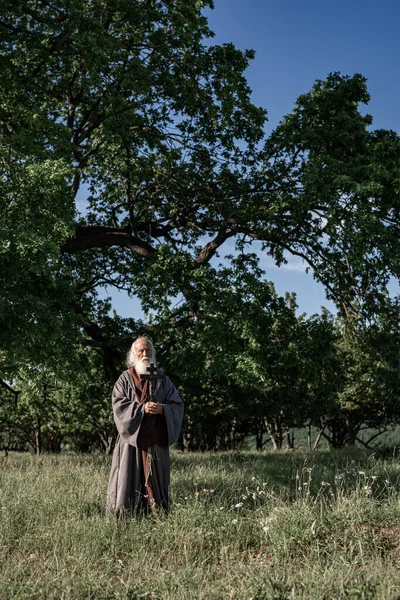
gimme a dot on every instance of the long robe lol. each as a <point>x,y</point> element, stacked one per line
<point>127,485</point>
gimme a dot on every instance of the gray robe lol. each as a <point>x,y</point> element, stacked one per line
<point>126,487</point>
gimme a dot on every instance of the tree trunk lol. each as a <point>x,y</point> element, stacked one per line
<point>259,439</point>
<point>38,436</point>
<point>343,431</point>
<point>319,436</point>
<point>108,441</point>
<point>290,440</point>
<point>275,430</point>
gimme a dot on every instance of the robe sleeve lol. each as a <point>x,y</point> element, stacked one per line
<point>128,411</point>
<point>173,411</point>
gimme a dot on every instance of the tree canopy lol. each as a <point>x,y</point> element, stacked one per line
<point>131,152</point>
<point>131,103</point>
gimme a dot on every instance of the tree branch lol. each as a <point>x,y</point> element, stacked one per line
<point>10,389</point>
<point>208,251</point>
<point>98,236</point>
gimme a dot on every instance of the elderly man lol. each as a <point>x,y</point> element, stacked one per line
<point>140,471</point>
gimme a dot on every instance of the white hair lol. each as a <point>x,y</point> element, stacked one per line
<point>131,355</point>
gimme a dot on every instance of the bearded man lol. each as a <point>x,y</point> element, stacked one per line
<point>140,471</point>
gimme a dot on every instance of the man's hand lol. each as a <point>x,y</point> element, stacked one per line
<point>153,408</point>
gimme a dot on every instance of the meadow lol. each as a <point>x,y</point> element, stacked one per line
<point>243,525</point>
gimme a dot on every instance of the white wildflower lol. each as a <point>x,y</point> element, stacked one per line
<point>234,521</point>
<point>238,505</point>
<point>313,529</point>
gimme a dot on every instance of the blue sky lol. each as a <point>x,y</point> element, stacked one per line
<point>297,42</point>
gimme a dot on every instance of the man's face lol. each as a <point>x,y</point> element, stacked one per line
<point>143,351</point>
<point>143,356</point>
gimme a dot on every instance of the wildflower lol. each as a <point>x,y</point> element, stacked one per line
<point>221,508</point>
<point>238,505</point>
<point>265,529</point>
<point>234,521</point>
<point>313,529</point>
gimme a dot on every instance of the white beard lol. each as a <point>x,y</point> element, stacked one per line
<point>140,366</point>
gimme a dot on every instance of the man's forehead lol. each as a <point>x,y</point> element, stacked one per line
<point>142,344</point>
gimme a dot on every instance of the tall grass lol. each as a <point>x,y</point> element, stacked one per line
<point>243,525</point>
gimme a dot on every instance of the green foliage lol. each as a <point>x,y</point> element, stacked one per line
<point>132,101</point>
<point>244,362</point>
<point>126,98</point>
<point>340,188</point>
<point>130,153</point>
<point>36,214</point>
<point>73,410</point>
<point>370,359</point>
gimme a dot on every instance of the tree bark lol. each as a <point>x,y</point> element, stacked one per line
<point>38,436</point>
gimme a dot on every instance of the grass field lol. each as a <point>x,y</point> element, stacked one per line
<point>243,525</point>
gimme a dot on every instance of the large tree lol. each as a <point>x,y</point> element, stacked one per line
<point>131,152</point>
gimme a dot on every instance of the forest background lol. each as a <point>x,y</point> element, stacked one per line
<point>132,107</point>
